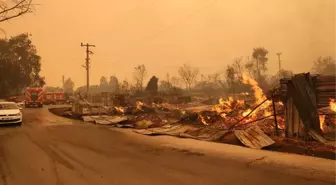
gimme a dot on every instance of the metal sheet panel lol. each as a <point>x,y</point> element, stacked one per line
<point>102,122</point>
<point>254,137</point>
<point>117,119</point>
<point>87,119</point>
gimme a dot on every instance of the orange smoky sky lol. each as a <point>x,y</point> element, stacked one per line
<point>164,34</point>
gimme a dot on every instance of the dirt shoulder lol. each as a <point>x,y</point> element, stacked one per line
<point>303,166</point>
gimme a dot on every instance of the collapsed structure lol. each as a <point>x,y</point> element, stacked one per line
<point>305,96</point>
<point>253,123</point>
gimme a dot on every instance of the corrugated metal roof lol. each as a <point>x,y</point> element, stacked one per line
<point>254,137</point>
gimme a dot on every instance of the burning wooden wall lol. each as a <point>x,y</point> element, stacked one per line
<point>303,95</point>
<point>293,123</point>
<point>325,89</point>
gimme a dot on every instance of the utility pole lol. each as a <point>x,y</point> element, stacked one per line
<point>87,65</point>
<point>279,54</point>
<point>63,80</point>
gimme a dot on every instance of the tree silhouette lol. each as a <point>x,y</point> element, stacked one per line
<point>152,86</point>
<point>324,65</point>
<point>140,73</point>
<point>20,65</point>
<point>69,86</point>
<point>114,84</point>
<point>14,8</point>
<point>188,75</point>
<point>258,65</point>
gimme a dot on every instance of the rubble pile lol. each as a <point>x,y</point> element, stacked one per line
<point>253,121</point>
<point>243,118</point>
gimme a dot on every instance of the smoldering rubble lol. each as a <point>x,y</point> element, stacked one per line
<point>257,123</point>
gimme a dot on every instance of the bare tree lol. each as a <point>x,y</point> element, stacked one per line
<point>140,73</point>
<point>238,67</point>
<point>168,79</point>
<point>324,65</point>
<point>124,86</point>
<point>215,79</point>
<point>175,81</point>
<point>188,74</point>
<point>15,8</point>
<point>230,75</point>
<point>114,84</point>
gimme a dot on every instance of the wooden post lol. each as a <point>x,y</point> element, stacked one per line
<point>275,118</point>
<point>106,100</point>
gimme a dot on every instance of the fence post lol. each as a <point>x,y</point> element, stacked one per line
<point>275,118</point>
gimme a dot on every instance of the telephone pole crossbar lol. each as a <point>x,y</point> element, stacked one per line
<point>87,65</point>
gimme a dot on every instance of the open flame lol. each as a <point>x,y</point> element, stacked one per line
<point>267,113</point>
<point>258,92</point>
<point>322,122</point>
<point>222,105</point>
<point>120,109</point>
<point>202,118</point>
<point>183,112</point>
<point>139,105</point>
<point>332,104</point>
<point>239,109</point>
<point>245,113</point>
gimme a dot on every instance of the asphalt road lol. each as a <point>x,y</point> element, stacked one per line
<point>49,150</point>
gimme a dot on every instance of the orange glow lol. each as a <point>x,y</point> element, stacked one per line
<point>139,105</point>
<point>245,113</point>
<point>332,104</point>
<point>120,109</point>
<point>322,122</point>
<point>232,106</point>
<point>267,113</point>
<point>258,93</point>
<point>202,119</point>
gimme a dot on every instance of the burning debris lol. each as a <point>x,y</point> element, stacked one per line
<point>236,112</point>
<point>332,104</point>
<point>327,117</point>
<point>261,117</point>
<point>227,115</point>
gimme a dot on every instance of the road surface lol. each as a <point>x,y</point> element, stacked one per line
<point>50,150</point>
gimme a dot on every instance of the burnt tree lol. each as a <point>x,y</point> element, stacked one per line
<point>152,86</point>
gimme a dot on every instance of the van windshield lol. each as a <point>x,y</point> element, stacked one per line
<point>8,106</point>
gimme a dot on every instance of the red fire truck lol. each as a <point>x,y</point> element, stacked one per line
<point>34,97</point>
<point>54,98</point>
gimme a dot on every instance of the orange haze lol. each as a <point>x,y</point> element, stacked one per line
<point>163,34</point>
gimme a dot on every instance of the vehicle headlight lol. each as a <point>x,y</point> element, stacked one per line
<point>18,114</point>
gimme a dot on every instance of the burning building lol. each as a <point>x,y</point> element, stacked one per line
<point>304,96</point>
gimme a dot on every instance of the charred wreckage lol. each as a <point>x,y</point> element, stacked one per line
<point>302,108</point>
